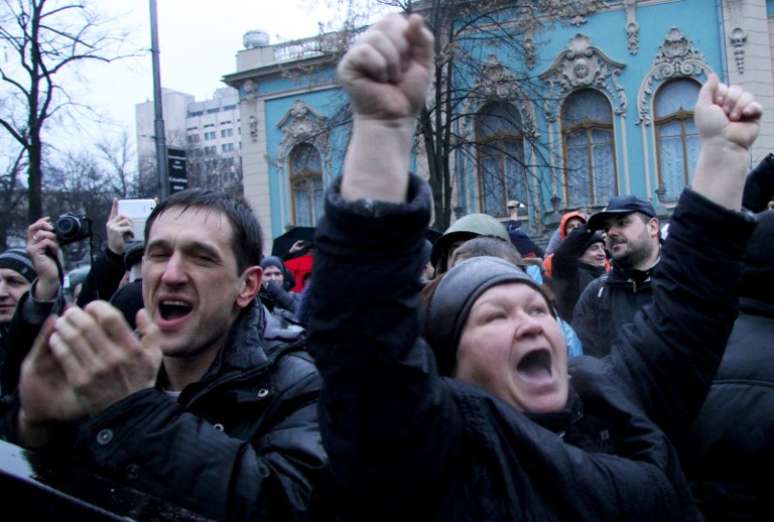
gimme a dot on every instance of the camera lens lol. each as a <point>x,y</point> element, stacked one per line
<point>67,227</point>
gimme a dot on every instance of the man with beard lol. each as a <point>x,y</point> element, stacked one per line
<point>610,301</point>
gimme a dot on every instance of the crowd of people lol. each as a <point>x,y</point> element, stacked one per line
<point>617,375</point>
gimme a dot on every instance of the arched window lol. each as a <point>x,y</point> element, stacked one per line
<point>306,186</point>
<point>589,149</point>
<point>500,149</point>
<point>677,142</point>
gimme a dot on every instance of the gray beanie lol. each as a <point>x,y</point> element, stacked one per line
<point>17,259</point>
<point>451,303</point>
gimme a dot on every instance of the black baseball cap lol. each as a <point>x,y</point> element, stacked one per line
<point>620,205</point>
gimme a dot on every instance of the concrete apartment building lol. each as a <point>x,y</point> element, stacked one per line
<point>208,130</point>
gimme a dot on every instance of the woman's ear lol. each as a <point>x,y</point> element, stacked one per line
<point>251,285</point>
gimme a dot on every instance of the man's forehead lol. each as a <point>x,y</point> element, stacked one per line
<point>10,272</point>
<point>211,219</point>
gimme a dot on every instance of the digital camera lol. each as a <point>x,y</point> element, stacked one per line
<point>70,228</point>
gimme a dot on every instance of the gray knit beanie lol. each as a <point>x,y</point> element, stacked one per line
<point>17,259</point>
<point>451,303</point>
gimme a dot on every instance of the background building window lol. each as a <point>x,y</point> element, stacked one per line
<point>226,133</point>
<point>500,150</point>
<point>306,186</point>
<point>227,147</point>
<point>677,142</point>
<point>589,149</point>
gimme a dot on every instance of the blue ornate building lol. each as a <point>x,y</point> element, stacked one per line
<point>614,115</point>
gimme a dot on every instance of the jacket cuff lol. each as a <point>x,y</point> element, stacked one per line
<point>36,312</point>
<point>351,228</point>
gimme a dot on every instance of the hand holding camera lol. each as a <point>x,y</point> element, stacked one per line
<point>43,249</point>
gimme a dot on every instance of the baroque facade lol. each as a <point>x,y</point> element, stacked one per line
<point>617,87</point>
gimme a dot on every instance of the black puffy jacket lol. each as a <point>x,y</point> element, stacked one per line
<point>407,444</point>
<point>730,458</point>
<point>242,443</point>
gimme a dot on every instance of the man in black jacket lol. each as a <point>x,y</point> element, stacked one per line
<point>610,301</point>
<point>480,420</point>
<point>198,410</point>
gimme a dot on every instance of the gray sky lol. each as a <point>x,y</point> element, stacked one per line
<point>198,40</point>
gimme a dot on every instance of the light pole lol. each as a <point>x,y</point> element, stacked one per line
<point>158,122</point>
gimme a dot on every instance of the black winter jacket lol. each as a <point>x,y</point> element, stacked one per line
<point>407,444</point>
<point>607,304</point>
<point>730,459</point>
<point>240,444</point>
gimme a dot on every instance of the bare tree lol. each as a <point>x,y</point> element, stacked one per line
<point>45,39</point>
<point>12,197</point>
<point>119,158</point>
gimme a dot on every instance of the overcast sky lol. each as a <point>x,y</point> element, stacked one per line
<point>198,40</point>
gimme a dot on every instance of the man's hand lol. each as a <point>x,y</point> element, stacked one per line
<point>43,248</point>
<point>387,72</point>
<point>118,227</point>
<point>387,76</point>
<point>46,396</point>
<point>101,358</point>
<point>727,119</point>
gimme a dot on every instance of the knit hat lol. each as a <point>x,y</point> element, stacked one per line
<point>758,270</point>
<point>596,237</point>
<point>273,261</point>
<point>17,259</point>
<point>454,297</point>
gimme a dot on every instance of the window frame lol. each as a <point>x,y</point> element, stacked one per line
<point>680,116</point>
<point>305,178</point>
<point>588,126</point>
<point>498,152</point>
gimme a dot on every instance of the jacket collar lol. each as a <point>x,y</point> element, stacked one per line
<point>559,421</point>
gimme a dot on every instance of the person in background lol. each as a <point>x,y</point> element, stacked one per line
<point>579,260</point>
<point>569,222</point>
<point>16,276</point>
<point>632,238</point>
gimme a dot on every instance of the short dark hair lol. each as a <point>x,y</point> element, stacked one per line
<point>247,239</point>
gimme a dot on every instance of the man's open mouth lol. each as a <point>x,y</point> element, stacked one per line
<point>536,364</point>
<point>171,309</point>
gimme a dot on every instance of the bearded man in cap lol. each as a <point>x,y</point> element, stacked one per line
<point>610,301</point>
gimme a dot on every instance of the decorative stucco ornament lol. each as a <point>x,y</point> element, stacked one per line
<point>632,27</point>
<point>302,124</point>
<point>583,65</point>
<point>677,57</point>
<point>738,40</point>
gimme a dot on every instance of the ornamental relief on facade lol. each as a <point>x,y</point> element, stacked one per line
<point>498,83</point>
<point>676,58</point>
<point>302,124</point>
<point>582,65</point>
